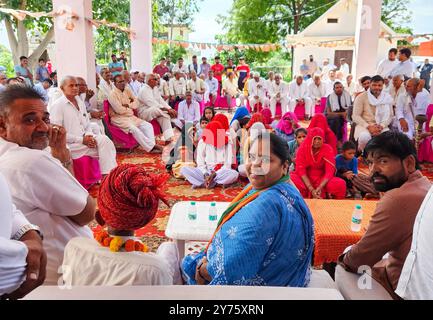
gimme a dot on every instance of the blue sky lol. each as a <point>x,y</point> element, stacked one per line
<point>206,27</point>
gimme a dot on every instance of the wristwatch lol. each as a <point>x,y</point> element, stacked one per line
<point>26,228</point>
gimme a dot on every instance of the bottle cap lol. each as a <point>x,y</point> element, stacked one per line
<point>193,203</point>
<point>213,204</point>
<point>358,206</point>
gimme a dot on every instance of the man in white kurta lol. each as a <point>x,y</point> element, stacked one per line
<point>123,103</point>
<point>82,138</point>
<point>278,93</point>
<point>163,88</point>
<point>188,111</point>
<point>257,92</point>
<point>405,66</point>
<point>386,66</point>
<point>152,106</point>
<point>213,84</point>
<point>409,105</point>
<point>298,93</point>
<point>344,68</point>
<point>41,186</point>
<point>177,87</point>
<point>316,91</point>
<point>196,86</point>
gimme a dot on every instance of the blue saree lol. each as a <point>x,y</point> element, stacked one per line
<point>269,242</point>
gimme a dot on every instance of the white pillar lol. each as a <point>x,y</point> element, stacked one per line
<point>75,52</point>
<point>141,43</point>
<point>367,37</point>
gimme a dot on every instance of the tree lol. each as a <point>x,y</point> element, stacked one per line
<point>176,12</point>
<point>6,61</point>
<point>396,14</point>
<point>163,51</point>
<point>17,31</point>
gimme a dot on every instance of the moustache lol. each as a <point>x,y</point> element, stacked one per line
<point>376,175</point>
<point>40,135</point>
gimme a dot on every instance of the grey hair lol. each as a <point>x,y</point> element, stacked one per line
<point>278,75</point>
<point>400,77</point>
<point>66,79</point>
<point>148,77</point>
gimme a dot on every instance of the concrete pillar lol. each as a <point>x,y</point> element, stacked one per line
<point>141,43</point>
<point>74,49</point>
<point>367,37</point>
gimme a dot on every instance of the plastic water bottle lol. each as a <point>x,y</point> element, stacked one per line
<point>192,211</point>
<point>212,212</point>
<point>357,219</point>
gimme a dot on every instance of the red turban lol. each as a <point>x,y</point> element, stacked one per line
<point>215,135</point>
<point>129,197</point>
<point>223,120</point>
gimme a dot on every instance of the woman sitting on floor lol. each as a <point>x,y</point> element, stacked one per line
<point>286,126</point>
<point>314,175</point>
<point>215,156</point>
<point>128,200</point>
<point>224,121</point>
<point>240,119</point>
<point>183,153</point>
<point>320,121</point>
<point>252,245</point>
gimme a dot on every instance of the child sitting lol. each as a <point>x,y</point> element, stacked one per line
<point>300,135</point>
<point>347,169</point>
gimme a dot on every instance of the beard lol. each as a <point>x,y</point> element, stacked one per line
<point>39,141</point>
<point>388,183</point>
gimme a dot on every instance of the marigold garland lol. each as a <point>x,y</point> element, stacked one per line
<point>116,243</point>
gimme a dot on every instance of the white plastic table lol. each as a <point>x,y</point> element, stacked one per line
<point>180,228</point>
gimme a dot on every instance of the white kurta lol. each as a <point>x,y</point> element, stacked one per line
<point>316,92</point>
<point>257,89</point>
<point>13,253</point>
<point>298,92</point>
<point>196,86</point>
<point>183,69</point>
<point>47,194</point>
<point>403,69</point>
<point>177,87</point>
<point>150,105</point>
<point>385,67</point>
<point>189,113</point>
<point>77,124</point>
<point>416,281</point>
<point>279,93</point>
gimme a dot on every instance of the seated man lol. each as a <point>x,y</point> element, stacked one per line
<point>213,87</point>
<point>53,199</point>
<point>415,282</point>
<point>298,94</point>
<point>410,105</point>
<point>177,87</point>
<point>316,91</point>
<point>43,88</point>
<point>394,170</point>
<point>85,94</point>
<point>369,107</point>
<point>189,111</point>
<point>257,92</point>
<point>163,88</point>
<point>278,93</point>
<point>123,103</point>
<point>82,138</point>
<point>23,260</point>
<point>152,106</point>
<point>120,258</point>
<point>196,86</point>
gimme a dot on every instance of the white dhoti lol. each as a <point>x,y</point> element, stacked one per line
<point>308,106</point>
<point>99,124</point>
<point>411,126</point>
<point>163,119</point>
<point>196,177</point>
<point>284,101</point>
<point>263,100</point>
<point>105,152</point>
<point>363,136</point>
<point>144,135</point>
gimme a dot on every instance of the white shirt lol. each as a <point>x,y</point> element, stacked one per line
<point>12,253</point>
<point>325,71</point>
<point>195,85</point>
<point>208,156</point>
<point>47,194</point>
<point>408,107</point>
<point>345,69</point>
<point>350,88</point>
<point>183,69</point>
<point>297,92</point>
<point>189,113</point>
<point>151,98</point>
<point>163,88</point>
<point>403,68</point>
<point>385,67</point>
<point>395,94</point>
<point>330,86</point>
<point>281,88</point>
<point>268,85</point>
<point>230,87</point>
<point>105,87</point>
<point>213,85</point>
<point>177,87</point>
<point>257,88</point>
<point>317,92</point>
<point>416,279</point>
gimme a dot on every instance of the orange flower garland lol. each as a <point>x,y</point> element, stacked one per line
<point>116,243</point>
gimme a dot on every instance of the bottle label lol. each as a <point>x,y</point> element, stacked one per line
<point>192,216</point>
<point>356,221</point>
<point>212,218</point>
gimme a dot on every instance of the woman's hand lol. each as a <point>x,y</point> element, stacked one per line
<point>201,274</point>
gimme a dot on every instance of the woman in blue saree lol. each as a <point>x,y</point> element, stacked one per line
<point>266,236</point>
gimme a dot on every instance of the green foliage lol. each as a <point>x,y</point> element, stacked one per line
<point>6,61</point>
<point>395,13</point>
<point>173,12</point>
<point>163,50</point>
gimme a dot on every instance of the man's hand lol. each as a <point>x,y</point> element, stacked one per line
<point>131,100</point>
<point>89,141</point>
<point>97,114</point>
<point>404,125</point>
<point>125,105</point>
<point>57,143</point>
<point>349,175</point>
<point>89,94</point>
<point>36,265</point>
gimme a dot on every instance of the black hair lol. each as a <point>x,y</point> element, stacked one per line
<point>41,59</point>
<point>22,58</point>
<point>377,79</point>
<point>49,81</point>
<point>53,74</point>
<point>209,108</point>
<point>8,81</point>
<point>113,55</point>
<point>365,78</point>
<point>406,51</point>
<point>204,119</point>
<point>15,92</point>
<point>393,50</point>
<point>194,56</point>
<point>116,76</point>
<point>217,57</point>
<point>396,144</point>
<point>278,145</point>
<point>300,130</point>
<point>348,145</point>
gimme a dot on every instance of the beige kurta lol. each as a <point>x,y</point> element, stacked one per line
<point>364,114</point>
<point>121,116</point>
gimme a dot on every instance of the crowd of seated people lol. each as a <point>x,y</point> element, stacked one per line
<point>45,131</point>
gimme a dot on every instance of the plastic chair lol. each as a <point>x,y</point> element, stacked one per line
<point>124,140</point>
<point>87,171</point>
